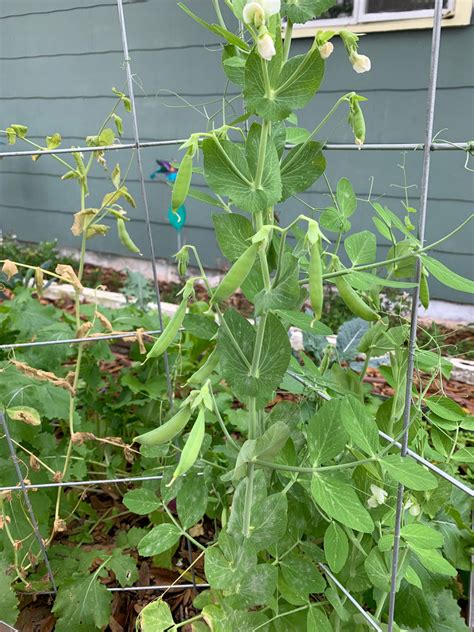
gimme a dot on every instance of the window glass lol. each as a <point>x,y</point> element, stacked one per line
<point>389,6</point>
<point>341,9</point>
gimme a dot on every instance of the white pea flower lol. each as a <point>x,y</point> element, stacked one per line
<point>326,50</point>
<point>265,46</point>
<point>413,507</point>
<point>254,13</point>
<point>360,63</point>
<point>271,7</point>
<point>378,496</point>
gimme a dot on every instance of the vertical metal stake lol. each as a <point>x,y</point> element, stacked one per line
<point>430,109</point>
<point>136,135</point>
<point>29,507</point>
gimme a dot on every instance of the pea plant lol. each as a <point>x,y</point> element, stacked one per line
<point>310,484</point>
<point>275,468</point>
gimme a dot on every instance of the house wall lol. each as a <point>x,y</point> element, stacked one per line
<point>60,58</point>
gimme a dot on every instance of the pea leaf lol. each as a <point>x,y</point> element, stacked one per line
<point>124,567</point>
<point>286,293</point>
<point>336,547</point>
<point>191,501</point>
<point>82,605</point>
<point>361,247</point>
<point>302,166</point>
<point>339,501</point>
<point>257,587</point>
<point>421,536</point>
<point>304,10</point>
<point>408,473</point>
<point>434,562</point>
<point>292,87</point>
<point>345,196</point>
<point>159,539</point>
<point>302,575</point>
<point>233,234</point>
<point>156,617</point>
<point>377,570</point>
<point>217,29</point>
<point>141,501</point>
<point>274,358</point>
<point>200,326</point>
<point>229,562</point>
<point>360,426</point>
<point>326,435</point>
<point>447,276</point>
<point>317,620</point>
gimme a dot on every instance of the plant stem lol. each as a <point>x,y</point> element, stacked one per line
<point>185,533</point>
<point>288,36</point>
<point>262,148</point>
<point>217,9</point>
<point>311,470</point>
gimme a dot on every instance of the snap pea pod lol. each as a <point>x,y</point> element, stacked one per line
<point>125,238</point>
<point>315,274</point>
<point>192,446</point>
<point>168,430</point>
<point>204,371</point>
<point>424,291</point>
<point>236,275</point>
<point>183,181</point>
<point>353,301</point>
<point>169,332</point>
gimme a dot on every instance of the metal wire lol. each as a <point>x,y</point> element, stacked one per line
<point>179,141</point>
<point>370,620</point>
<point>136,134</point>
<point>430,110</point>
<point>29,507</point>
<point>67,341</point>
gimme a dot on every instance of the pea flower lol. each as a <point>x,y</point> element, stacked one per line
<point>265,46</point>
<point>378,496</point>
<point>360,63</point>
<point>326,50</point>
<point>257,11</point>
<point>413,507</point>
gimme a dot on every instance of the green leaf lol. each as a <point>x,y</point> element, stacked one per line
<point>274,358</point>
<point>216,29</point>
<point>332,219</point>
<point>292,87</point>
<point>286,293</point>
<point>339,501</point>
<point>377,570</point>
<point>233,234</point>
<point>336,547</point>
<point>141,501</point>
<point>200,326</point>
<point>447,276</point>
<point>272,441</point>
<point>229,562</point>
<point>83,605</point>
<point>8,599</point>
<point>53,141</point>
<point>159,539</point>
<point>408,473</point>
<point>317,620</point>
<point>26,414</point>
<point>445,408</point>
<point>301,575</point>
<point>228,172</point>
<point>434,562</point>
<point>296,135</point>
<point>361,247</point>
<point>345,196</point>
<point>421,536</point>
<point>303,321</point>
<point>156,617</point>
<point>124,567</point>
<point>268,521</point>
<point>326,435</point>
<point>191,501</point>
<point>303,10</point>
<point>302,166</point>
<point>360,425</point>
<point>257,587</point>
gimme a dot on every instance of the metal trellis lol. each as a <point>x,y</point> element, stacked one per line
<point>427,146</point>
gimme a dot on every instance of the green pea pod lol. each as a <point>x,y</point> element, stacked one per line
<point>354,301</point>
<point>424,291</point>
<point>236,275</point>
<point>201,375</point>
<point>315,273</point>
<point>125,238</point>
<point>357,122</point>
<point>168,430</point>
<point>183,181</point>
<point>169,332</point>
<point>191,448</point>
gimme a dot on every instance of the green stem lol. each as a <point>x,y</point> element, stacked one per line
<point>288,36</point>
<point>198,617</point>
<point>217,9</point>
<point>183,531</point>
<point>311,470</point>
<point>56,157</point>
<point>221,421</point>
<point>261,154</point>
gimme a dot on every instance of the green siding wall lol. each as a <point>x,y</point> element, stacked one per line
<point>60,58</point>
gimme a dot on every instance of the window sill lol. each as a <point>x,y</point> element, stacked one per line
<point>461,17</point>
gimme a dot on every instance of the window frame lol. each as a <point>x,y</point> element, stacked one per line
<point>457,13</point>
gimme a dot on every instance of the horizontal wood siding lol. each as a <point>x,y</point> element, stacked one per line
<point>58,62</point>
